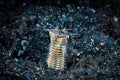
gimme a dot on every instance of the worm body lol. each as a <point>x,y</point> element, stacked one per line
<point>57,50</point>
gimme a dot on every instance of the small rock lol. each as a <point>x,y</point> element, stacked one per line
<point>24,43</point>
<point>92,40</point>
<point>38,25</point>
<point>93,10</point>
<point>16,60</point>
<point>115,19</point>
<point>38,69</point>
<point>20,52</point>
<point>78,54</point>
<point>96,48</point>
<point>102,43</point>
<point>86,17</point>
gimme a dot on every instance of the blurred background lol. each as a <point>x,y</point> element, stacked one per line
<point>114,4</point>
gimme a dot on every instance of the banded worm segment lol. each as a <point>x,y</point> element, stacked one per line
<point>57,50</point>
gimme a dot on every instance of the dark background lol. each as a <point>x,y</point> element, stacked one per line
<point>15,7</point>
<point>7,6</point>
<point>93,3</point>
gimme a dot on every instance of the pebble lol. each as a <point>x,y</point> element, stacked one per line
<point>36,78</point>
<point>78,54</point>
<point>16,59</point>
<point>115,19</point>
<point>92,40</point>
<point>93,10</point>
<point>20,52</point>
<point>24,43</point>
<point>38,69</point>
<point>86,17</point>
<point>102,43</point>
<point>37,25</point>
